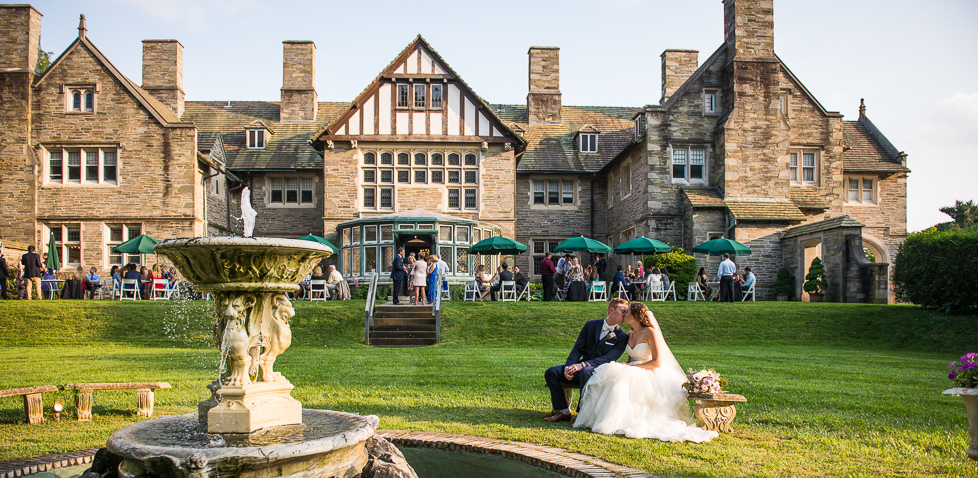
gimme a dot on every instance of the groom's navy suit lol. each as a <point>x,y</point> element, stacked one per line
<point>590,350</point>
<point>397,276</point>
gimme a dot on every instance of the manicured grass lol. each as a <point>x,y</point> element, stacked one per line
<point>834,389</point>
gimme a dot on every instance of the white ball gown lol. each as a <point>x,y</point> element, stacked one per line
<point>620,399</point>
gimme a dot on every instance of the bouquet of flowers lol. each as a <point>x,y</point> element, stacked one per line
<point>704,381</point>
<point>965,372</point>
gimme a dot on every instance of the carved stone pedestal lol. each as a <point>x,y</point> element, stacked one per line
<point>254,406</point>
<point>970,396</point>
<point>716,411</point>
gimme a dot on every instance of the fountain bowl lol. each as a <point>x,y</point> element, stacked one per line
<point>216,264</point>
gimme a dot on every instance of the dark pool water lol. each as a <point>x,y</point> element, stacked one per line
<point>432,463</point>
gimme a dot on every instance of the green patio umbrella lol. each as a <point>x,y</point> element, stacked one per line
<point>53,262</point>
<point>321,240</point>
<point>721,246</point>
<point>142,244</point>
<point>642,245</point>
<point>582,244</point>
<point>497,245</point>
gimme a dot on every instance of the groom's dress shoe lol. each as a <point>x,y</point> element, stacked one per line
<point>559,417</point>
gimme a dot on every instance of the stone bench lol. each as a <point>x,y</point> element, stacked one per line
<point>33,405</point>
<point>716,411</point>
<point>144,396</point>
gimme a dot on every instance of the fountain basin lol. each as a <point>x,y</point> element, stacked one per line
<point>327,443</point>
<point>215,264</point>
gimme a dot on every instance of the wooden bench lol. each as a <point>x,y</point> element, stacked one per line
<point>144,396</point>
<point>716,411</point>
<point>33,406</point>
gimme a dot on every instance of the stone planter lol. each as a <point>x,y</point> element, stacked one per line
<point>970,396</point>
<point>782,297</point>
<point>815,297</point>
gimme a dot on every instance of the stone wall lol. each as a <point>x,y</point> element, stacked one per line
<point>276,220</point>
<point>677,66</point>
<point>163,72</point>
<point>552,223</point>
<point>764,240</point>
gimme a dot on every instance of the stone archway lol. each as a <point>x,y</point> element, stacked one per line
<point>811,249</point>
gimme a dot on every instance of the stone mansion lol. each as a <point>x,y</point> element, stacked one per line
<point>735,147</point>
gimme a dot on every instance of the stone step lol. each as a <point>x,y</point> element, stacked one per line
<point>401,342</point>
<point>402,334</point>
<point>387,326</point>
<point>391,314</point>
<point>387,321</point>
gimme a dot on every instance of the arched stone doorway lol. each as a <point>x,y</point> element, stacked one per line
<point>812,249</point>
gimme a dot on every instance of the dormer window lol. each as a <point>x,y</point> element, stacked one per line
<point>639,125</point>
<point>589,142</point>
<point>80,99</point>
<point>256,139</point>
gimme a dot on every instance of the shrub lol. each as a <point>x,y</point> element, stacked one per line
<point>682,266</point>
<point>935,269</point>
<point>784,283</point>
<point>815,279</point>
<point>11,285</point>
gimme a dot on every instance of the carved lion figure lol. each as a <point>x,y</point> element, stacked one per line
<point>276,335</point>
<point>234,314</point>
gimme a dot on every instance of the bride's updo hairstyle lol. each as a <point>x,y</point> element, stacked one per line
<point>640,312</point>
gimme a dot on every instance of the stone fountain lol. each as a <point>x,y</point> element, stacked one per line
<point>251,426</point>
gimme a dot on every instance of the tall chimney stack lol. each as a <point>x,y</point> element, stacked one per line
<point>748,27</point>
<point>20,38</point>
<point>299,100</point>
<point>677,67</point>
<point>163,72</point>
<point>543,101</point>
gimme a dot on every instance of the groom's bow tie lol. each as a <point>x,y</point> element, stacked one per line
<point>608,328</point>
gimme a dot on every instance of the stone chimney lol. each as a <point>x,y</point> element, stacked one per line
<point>677,67</point>
<point>163,72</point>
<point>20,38</point>
<point>299,100</point>
<point>543,100</point>
<point>748,27</point>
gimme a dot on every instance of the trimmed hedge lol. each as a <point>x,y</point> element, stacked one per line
<point>936,269</point>
<point>682,267</point>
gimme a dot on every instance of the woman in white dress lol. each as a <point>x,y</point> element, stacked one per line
<point>644,398</point>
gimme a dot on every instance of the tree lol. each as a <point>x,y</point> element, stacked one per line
<point>963,214</point>
<point>43,60</point>
<point>815,279</point>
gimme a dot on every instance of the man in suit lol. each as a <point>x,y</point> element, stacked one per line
<point>32,271</point>
<point>602,266</point>
<point>600,342</point>
<point>547,271</point>
<point>521,280</point>
<point>3,275</point>
<point>397,274</point>
<point>504,274</point>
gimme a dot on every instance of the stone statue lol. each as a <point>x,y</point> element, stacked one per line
<point>248,213</point>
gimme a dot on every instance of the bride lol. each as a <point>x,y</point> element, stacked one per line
<point>644,398</point>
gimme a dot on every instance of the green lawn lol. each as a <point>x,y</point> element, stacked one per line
<point>834,389</point>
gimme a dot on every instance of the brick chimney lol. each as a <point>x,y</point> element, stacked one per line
<point>543,100</point>
<point>299,100</point>
<point>20,38</point>
<point>748,27</point>
<point>163,72</point>
<point>677,67</point>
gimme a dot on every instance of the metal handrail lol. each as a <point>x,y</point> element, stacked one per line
<point>436,304</point>
<point>368,310</point>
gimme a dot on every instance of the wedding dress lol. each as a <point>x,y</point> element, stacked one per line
<point>620,399</point>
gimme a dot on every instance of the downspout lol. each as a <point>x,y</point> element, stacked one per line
<point>593,176</point>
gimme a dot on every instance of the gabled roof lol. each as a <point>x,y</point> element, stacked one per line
<point>704,197</point>
<point>588,129</point>
<point>835,222</point>
<point>418,42</point>
<point>553,148</point>
<point>411,215</point>
<point>764,209</point>
<point>867,149</point>
<point>213,144</point>
<point>259,124</point>
<point>162,113</point>
<point>287,150</point>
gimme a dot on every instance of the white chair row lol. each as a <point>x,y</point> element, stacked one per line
<point>507,292</point>
<point>694,293</point>
<point>656,292</point>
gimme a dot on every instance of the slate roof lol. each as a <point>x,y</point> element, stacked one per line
<point>704,197</point>
<point>867,152</point>
<point>807,198</point>
<point>287,149</point>
<point>555,149</point>
<point>771,209</point>
<point>840,221</point>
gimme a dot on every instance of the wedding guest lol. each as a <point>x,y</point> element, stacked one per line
<point>619,278</point>
<point>639,270</point>
<point>574,273</point>
<point>629,272</point>
<point>93,282</point>
<point>397,275</point>
<point>21,284</point>
<point>602,268</point>
<point>521,280</point>
<point>749,280</point>
<point>547,272</point>
<point>726,273</point>
<point>492,282</point>
<point>656,275</point>
<point>32,271</point>
<point>504,275</point>
<point>133,274</point>
<point>116,280</point>
<point>420,280</point>
<point>432,276</point>
<point>48,286</point>
<point>702,282</point>
<point>666,281</point>
<point>443,270</point>
<point>3,275</point>
<point>409,269</point>
<point>562,269</point>
<point>738,287</point>
<point>172,278</point>
<point>480,282</point>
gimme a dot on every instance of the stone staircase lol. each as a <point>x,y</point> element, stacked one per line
<point>403,326</point>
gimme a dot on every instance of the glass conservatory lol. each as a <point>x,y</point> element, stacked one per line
<point>369,244</point>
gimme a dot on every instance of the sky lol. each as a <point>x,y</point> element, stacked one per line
<point>913,62</point>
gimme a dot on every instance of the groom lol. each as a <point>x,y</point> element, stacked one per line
<point>600,342</point>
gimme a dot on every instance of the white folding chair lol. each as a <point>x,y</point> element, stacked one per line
<point>670,290</point>
<point>621,291</point>
<point>53,289</point>
<point>130,286</point>
<point>471,291</point>
<point>159,289</point>
<point>656,292</point>
<point>318,290</point>
<point>507,291</point>
<point>116,289</point>
<point>599,290</point>
<point>693,293</point>
<point>559,294</point>
<point>446,293</point>
<point>524,294</point>
<point>749,292</point>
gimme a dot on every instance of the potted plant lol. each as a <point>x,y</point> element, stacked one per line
<point>815,281</point>
<point>784,285</point>
<point>965,377</point>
